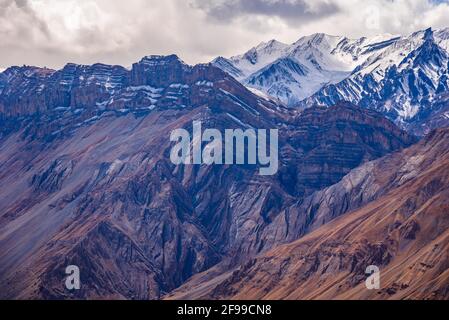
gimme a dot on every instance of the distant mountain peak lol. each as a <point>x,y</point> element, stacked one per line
<point>397,75</point>
<point>430,53</point>
<point>161,59</point>
<point>428,35</point>
<point>270,44</point>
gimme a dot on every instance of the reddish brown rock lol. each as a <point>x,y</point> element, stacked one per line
<point>405,232</point>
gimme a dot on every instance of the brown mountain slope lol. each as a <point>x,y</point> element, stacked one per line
<point>405,233</point>
<point>93,185</point>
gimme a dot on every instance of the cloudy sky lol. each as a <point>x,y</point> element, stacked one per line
<point>53,32</point>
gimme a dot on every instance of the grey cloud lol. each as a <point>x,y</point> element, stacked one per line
<point>32,20</point>
<point>6,3</point>
<point>21,3</point>
<point>292,11</point>
<point>53,32</point>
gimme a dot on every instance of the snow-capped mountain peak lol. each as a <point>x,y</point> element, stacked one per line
<point>284,71</point>
<point>271,46</point>
<point>253,60</point>
<point>402,78</point>
<point>398,75</point>
<point>293,72</point>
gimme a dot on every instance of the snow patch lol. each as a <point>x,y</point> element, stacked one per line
<point>239,121</point>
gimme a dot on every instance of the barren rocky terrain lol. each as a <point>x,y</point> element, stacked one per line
<point>86,177</point>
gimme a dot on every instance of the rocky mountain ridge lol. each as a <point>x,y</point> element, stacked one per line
<point>90,182</point>
<point>399,76</point>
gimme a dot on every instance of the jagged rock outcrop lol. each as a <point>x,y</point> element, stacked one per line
<point>403,77</point>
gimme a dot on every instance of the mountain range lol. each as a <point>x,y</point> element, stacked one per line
<point>399,76</point>
<point>402,227</point>
<point>87,179</point>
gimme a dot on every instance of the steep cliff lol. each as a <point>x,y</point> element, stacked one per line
<point>403,229</point>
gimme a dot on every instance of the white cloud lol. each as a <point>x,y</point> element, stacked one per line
<point>53,32</point>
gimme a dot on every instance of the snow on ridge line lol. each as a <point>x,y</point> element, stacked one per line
<point>328,57</point>
<point>240,102</point>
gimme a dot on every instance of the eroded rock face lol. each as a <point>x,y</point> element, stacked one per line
<point>398,222</point>
<point>336,140</point>
<point>92,184</point>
